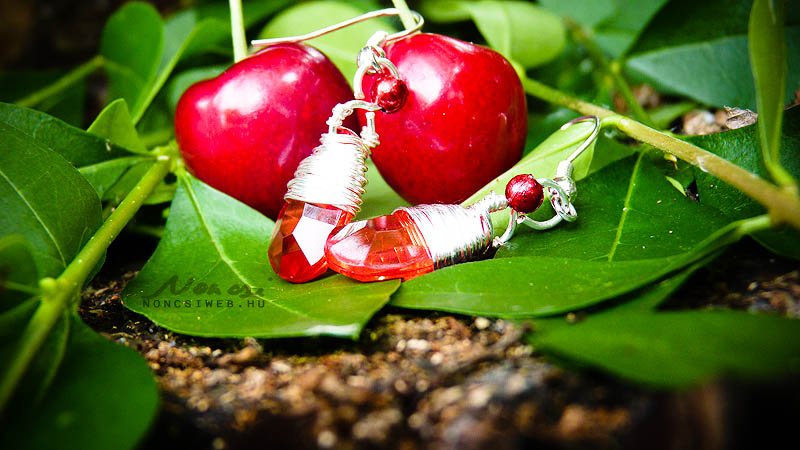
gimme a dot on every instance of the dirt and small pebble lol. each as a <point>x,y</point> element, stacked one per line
<point>437,381</point>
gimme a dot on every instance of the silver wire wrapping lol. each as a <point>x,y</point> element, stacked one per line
<point>334,172</point>
<point>456,234</point>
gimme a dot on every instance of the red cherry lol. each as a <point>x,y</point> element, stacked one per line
<point>464,121</point>
<point>524,194</point>
<point>245,131</point>
<point>389,93</point>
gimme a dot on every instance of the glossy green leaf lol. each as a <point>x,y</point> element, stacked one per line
<point>104,176</point>
<point>627,211</point>
<point>742,147</point>
<point>114,124</point>
<point>341,47</point>
<point>213,240</point>
<point>527,286</point>
<point>523,32</point>
<point>444,11</point>
<point>585,13</point>
<point>68,105</point>
<point>676,349</point>
<point>692,49</point>
<point>56,222</point>
<point>98,154</point>
<point>102,395</point>
<point>768,60</point>
<point>132,44</point>
<point>18,276</point>
<point>253,11</point>
<point>633,229</point>
<point>618,32</point>
<point>75,145</point>
<point>615,24</point>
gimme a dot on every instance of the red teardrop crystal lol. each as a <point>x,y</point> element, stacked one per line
<point>378,249</point>
<point>297,250</point>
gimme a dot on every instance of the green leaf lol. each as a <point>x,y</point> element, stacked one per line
<point>18,275</point>
<point>67,105</point>
<point>341,47</point>
<point>768,59</point>
<point>444,11</point>
<point>108,175</point>
<point>742,147</point>
<point>617,33</point>
<point>213,240</point>
<point>633,229</point>
<point>615,24</point>
<point>100,158</point>
<point>522,32</point>
<point>627,211</point>
<point>102,395</point>
<point>56,222</point>
<point>254,11</point>
<point>132,44</point>
<point>586,13</point>
<point>527,286</point>
<point>691,49</point>
<point>114,124</point>
<point>676,349</point>
<point>73,144</point>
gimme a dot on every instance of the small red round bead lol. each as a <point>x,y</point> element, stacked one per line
<point>389,93</point>
<point>524,194</point>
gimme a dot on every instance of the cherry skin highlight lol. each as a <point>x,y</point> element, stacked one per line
<point>463,122</point>
<point>245,131</point>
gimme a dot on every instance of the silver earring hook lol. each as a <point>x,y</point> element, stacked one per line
<point>592,137</point>
<point>370,15</point>
<point>561,189</point>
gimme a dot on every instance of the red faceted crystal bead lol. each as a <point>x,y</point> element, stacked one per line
<point>378,249</point>
<point>297,250</point>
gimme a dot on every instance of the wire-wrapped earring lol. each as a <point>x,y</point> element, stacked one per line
<point>416,240</point>
<point>326,190</point>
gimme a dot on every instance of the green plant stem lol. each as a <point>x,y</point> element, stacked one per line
<point>10,285</point>
<point>613,70</point>
<point>767,48</point>
<point>783,205</point>
<point>63,83</point>
<point>59,294</point>
<point>405,14</point>
<point>237,31</point>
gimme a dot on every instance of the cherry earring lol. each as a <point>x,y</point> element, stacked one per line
<point>417,240</point>
<point>326,190</point>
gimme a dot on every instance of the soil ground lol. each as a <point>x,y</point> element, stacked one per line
<point>438,381</point>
